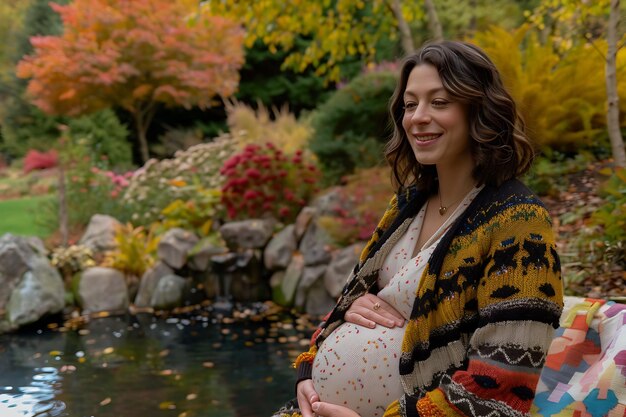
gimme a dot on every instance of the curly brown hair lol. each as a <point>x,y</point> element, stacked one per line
<point>499,145</point>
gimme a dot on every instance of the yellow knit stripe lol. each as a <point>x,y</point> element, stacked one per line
<point>434,404</point>
<point>306,356</point>
<point>520,222</point>
<point>390,214</point>
<point>393,410</point>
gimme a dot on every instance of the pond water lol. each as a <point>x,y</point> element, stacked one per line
<point>141,365</point>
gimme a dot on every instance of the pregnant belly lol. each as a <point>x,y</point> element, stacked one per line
<point>357,367</point>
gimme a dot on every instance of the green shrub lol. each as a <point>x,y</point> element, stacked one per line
<point>196,214</point>
<point>105,137</point>
<point>611,216</point>
<point>352,127</point>
<point>89,190</point>
<point>548,174</point>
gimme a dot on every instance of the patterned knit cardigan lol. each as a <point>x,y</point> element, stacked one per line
<point>485,309</point>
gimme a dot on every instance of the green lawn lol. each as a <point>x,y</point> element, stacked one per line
<point>23,216</point>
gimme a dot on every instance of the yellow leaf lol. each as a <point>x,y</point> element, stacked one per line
<point>55,353</point>
<point>106,401</point>
<point>108,351</point>
<point>167,405</point>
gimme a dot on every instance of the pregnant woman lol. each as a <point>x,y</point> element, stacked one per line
<point>454,302</point>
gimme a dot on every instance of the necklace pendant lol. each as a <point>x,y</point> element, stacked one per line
<point>442,210</point>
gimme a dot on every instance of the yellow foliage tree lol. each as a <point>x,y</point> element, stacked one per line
<point>561,99</point>
<point>338,28</point>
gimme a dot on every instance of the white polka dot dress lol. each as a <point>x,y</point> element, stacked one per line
<point>357,367</point>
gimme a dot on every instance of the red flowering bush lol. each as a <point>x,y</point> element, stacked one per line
<point>35,160</point>
<point>263,180</point>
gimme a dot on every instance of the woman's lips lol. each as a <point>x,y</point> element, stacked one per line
<point>426,138</point>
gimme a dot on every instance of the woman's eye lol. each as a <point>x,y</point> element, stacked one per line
<point>440,103</point>
<point>410,106</point>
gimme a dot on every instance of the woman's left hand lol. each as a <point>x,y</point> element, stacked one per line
<point>332,410</point>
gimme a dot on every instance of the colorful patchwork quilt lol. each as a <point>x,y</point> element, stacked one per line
<point>585,370</point>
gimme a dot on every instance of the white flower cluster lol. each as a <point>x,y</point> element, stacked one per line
<point>158,183</point>
<point>74,258</point>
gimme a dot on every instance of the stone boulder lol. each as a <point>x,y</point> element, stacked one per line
<point>327,203</point>
<point>285,283</point>
<point>340,267</point>
<point>246,284</point>
<point>102,289</point>
<point>280,249</point>
<point>15,256</point>
<point>149,282</point>
<point>318,301</point>
<point>310,275</point>
<point>175,246</point>
<point>169,292</point>
<point>41,291</point>
<point>247,234</point>
<point>29,286</point>
<point>315,245</point>
<point>100,233</point>
<point>302,221</point>
<point>201,254</point>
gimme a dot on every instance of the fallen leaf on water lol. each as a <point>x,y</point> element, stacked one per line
<point>164,353</point>
<point>102,314</point>
<point>269,379</point>
<point>167,405</point>
<point>249,343</point>
<point>56,353</point>
<point>108,351</point>
<point>183,414</point>
<point>192,396</point>
<point>67,368</point>
<point>166,372</point>
<point>106,401</point>
<point>208,364</point>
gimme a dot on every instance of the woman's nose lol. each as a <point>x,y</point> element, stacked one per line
<point>421,115</point>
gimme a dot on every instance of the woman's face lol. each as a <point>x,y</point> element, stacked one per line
<point>435,124</point>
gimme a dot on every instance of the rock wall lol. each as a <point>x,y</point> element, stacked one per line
<point>296,266</point>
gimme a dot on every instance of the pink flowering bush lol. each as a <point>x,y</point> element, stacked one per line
<point>263,181</point>
<point>92,190</point>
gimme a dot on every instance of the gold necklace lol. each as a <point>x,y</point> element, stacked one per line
<point>443,209</point>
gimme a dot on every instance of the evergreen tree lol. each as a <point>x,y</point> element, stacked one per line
<point>23,125</point>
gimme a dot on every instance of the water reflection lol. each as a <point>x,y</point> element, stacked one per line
<point>143,366</point>
<point>36,399</point>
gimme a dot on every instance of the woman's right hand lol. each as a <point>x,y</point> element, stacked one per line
<point>369,310</point>
<point>306,396</point>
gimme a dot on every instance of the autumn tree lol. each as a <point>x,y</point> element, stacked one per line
<point>569,21</point>
<point>338,29</point>
<point>136,55</point>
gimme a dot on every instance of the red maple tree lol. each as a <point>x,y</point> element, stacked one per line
<point>135,55</point>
